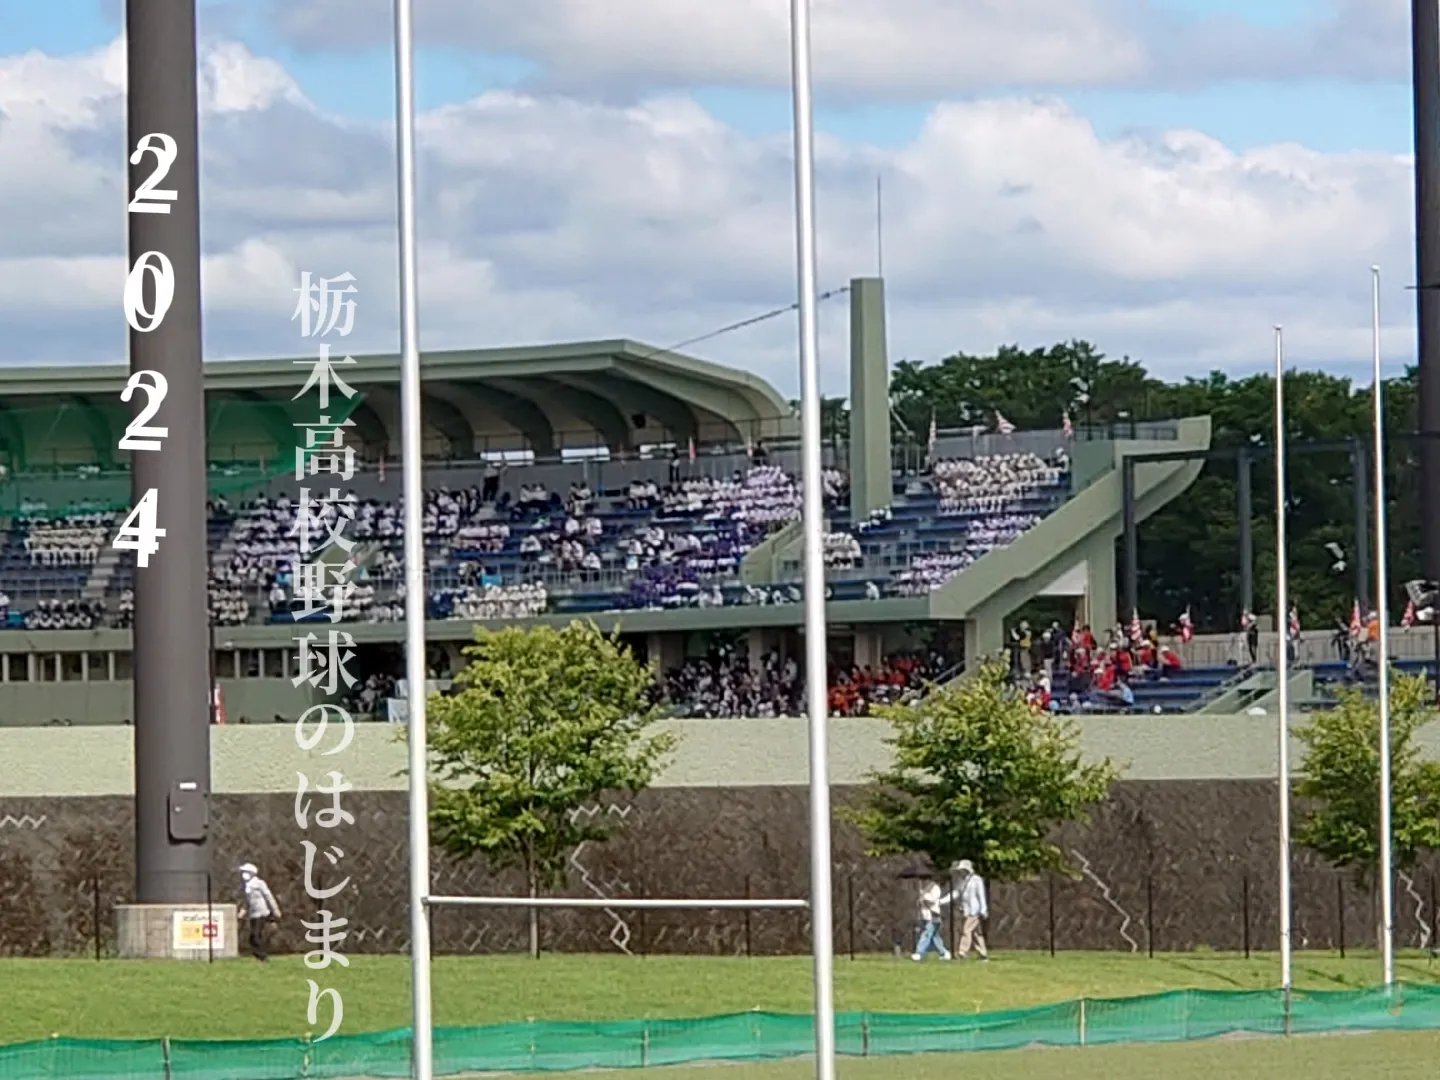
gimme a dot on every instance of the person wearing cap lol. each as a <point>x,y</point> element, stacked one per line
<point>974,909</point>
<point>260,908</point>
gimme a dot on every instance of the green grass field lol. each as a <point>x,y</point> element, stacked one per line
<point>1394,1057</point>
<point>241,999</point>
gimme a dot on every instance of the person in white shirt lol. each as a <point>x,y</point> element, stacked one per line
<point>975,910</point>
<point>260,908</point>
<point>930,936</point>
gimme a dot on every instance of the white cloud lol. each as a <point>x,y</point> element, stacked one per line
<point>873,49</point>
<point>550,218</point>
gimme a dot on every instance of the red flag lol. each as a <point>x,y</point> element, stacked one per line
<point>692,448</point>
<point>1137,631</point>
<point>1408,619</point>
<point>1066,426</point>
<point>1357,628</point>
<point>380,471</point>
<point>1003,426</point>
<point>1187,629</point>
<point>1295,623</point>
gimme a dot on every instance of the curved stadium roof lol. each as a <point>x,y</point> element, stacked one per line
<point>619,394</point>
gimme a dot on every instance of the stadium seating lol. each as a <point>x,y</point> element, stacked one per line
<point>1178,692</point>
<point>634,545</point>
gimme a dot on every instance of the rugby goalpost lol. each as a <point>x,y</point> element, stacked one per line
<point>819,904</point>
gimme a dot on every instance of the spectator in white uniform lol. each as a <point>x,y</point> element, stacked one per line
<point>260,908</point>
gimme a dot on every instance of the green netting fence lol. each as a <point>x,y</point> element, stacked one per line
<point>549,1046</point>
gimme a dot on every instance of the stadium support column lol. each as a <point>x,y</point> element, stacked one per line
<point>870,465</point>
<point>1360,486</point>
<point>172,680</point>
<point>1131,592</point>
<point>1244,516</point>
<point>1425,74</point>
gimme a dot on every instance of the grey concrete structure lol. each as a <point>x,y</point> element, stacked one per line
<point>869,459</point>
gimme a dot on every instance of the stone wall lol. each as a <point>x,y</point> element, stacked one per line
<point>1186,852</point>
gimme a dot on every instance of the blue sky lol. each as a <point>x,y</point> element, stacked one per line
<point>1327,115</point>
<point>568,215</point>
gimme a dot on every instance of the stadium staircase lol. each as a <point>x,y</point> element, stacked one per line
<point>98,583</point>
<point>1080,535</point>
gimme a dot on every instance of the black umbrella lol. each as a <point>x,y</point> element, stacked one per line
<point>916,872</point>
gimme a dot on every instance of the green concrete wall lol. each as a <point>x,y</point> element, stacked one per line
<point>58,762</point>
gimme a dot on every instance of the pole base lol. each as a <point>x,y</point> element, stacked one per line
<point>176,931</point>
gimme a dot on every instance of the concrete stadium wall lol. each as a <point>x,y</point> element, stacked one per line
<point>1184,850</point>
<point>48,762</point>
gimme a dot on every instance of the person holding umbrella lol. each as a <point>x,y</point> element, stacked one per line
<point>930,898</point>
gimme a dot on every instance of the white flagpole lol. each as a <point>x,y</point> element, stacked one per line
<point>1382,613</point>
<point>421,1035</point>
<point>817,697</point>
<point>1282,664</point>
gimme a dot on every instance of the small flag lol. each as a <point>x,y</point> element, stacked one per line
<point>1137,631</point>
<point>1295,623</point>
<point>692,448</point>
<point>380,471</point>
<point>1357,628</point>
<point>219,704</point>
<point>1408,619</point>
<point>1003,426</point>
<point>1187,628</point>
<point>1066,426</point>
<point>934,433</point>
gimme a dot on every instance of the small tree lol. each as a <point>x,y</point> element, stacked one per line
<point>979,774</point>
<point>1342,777</point>
<point>544,722</point>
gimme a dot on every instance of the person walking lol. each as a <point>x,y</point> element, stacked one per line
<point>930,936</point>
<point>260,909</point>
<point>974,909</point>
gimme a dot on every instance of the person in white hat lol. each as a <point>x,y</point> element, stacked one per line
<point>260,908</point>
<point>975,910</point>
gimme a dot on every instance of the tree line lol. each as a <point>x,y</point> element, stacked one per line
<point>1189,551</point>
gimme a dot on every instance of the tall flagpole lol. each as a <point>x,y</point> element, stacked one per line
<point>421,1034</point>
<point>879,229</point>
<point>1282,664</point>
<point>1382,614</point>
<point>816,691</point>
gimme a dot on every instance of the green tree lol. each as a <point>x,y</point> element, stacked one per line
<point>978,774</point>
<point>1342,777</point>
<point>1031,387</point>
<point>544,722</point>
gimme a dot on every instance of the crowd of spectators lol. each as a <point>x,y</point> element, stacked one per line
<point>489,603</point>
<point>368,697</point>
<point>228,604</point>
<point>928,572</point>
<point>71,614</point>
<point>842,551</point>
<point>990,483</point>
<point>70,540</point>
<point>726,684</point>
<point>1096,674</point>
<point>686,551</point>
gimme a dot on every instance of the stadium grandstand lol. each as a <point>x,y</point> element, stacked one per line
<point>650,491</point>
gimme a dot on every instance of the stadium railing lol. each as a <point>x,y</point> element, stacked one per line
<point>553,1046</point>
